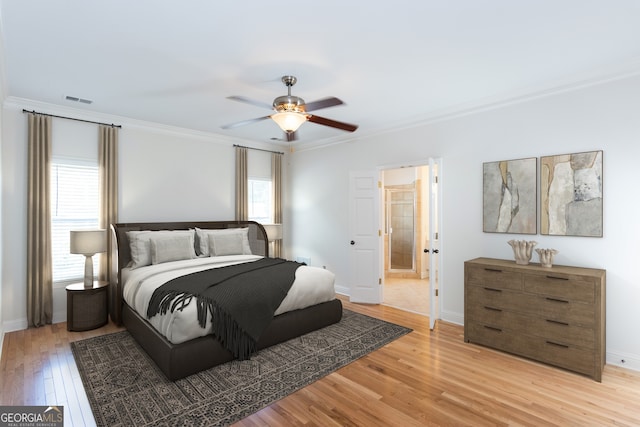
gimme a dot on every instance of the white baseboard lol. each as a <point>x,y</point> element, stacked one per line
<point>452,317</point>
<point>19,325</point>
<point>15,325</point>
<point>343,290</point>
<point>59,316</point>
<point>624,360</point>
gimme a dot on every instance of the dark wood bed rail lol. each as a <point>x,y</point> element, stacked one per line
<point>121,252</point>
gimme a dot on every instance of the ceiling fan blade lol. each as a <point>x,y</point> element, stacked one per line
<point>245,122</point>
<point>323,103</point>
<point>332,123</point>
<point>291,136</point>
<point>251,102</point>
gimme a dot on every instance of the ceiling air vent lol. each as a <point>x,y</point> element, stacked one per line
<point>76,99</point>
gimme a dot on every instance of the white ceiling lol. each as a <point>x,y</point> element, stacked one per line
<point>392,63</point>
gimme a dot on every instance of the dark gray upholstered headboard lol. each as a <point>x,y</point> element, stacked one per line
<point>121,251</point>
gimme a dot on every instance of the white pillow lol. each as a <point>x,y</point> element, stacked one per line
<point>139,242</point>
<point>225,244</point>
<point>171,248</point>
<point>203,248</point>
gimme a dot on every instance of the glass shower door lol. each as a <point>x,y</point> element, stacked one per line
<point>401,228</point>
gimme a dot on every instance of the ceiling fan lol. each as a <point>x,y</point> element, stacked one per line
<point>291,111</point>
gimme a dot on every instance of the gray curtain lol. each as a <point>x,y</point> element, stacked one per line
<point>39,264</point>
<point>276,179</point>
<point>242,186</point>
<point>108,166</point>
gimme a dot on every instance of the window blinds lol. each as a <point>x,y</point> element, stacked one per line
<point>75,205</point>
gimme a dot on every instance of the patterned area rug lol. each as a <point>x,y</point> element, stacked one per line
<point>125,388</point>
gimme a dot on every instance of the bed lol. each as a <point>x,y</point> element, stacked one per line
<point>179,354</point>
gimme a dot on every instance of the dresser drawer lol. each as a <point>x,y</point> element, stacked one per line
<point>495,337</point>
<point>563,333</point>
<point>566,356</point>
<point>560,332</point>
<point>542,349</point>
<point>566,286</point>
<point>492,316</point>
<point>559,309</point>
<point>492,297</point>
<point>494,277</point>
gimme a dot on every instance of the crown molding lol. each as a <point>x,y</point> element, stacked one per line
<point>17,103</point>
<point>559,86</point>
<point>573,83</point>
<point>522,95</point>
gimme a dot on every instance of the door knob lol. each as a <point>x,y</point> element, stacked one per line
<point>426,251</point>
<point>352,242</point>
<point>436,251</point>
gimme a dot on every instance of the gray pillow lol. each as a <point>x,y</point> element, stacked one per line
<point>140,244</point>
<point>171,248</point>
<point>203,247</point>
<point>225,244</point>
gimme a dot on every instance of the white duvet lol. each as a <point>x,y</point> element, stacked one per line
<point>312,286</point>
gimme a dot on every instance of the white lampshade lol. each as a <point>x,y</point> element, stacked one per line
<point>88,242</point>
<point>289,121</point>
<point>274,231</point>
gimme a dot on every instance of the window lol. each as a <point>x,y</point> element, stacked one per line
<point>260,200</point>
<point>75,205</point>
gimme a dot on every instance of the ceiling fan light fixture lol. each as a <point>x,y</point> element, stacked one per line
<point>289,121</point>
<point>291,112</point>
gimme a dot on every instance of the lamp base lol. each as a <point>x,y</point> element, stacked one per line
<point>88,271</point>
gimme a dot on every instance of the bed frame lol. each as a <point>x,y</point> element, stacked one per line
<point>180,360</point>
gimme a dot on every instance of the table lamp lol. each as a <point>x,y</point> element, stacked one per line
<point>274,231</point>
<point>88,243</point>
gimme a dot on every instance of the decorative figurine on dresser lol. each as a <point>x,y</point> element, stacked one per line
<point>554,315</point>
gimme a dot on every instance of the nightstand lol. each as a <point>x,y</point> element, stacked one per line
<point>87,308</point>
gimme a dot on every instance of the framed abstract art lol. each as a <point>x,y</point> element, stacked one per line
<point>571,194</point>
<point>510,196</point>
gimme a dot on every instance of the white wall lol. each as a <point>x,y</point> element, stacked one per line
<point>401,176</point>
<point>602,117</point>
<point>165,174</point>
<point>14,229</point>
<point>2,97</point>
<point>167,177</point>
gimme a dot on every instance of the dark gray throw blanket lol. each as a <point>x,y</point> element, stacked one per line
<point>241,298</point>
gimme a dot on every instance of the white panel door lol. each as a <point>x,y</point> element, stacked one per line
<point>364,229</point>
<point>435,258</point>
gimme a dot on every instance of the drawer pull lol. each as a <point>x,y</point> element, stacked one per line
<point>557,344</point>
<point>491,328</point>
<point>492,308</point>
<point>557,300</point>
<point>492,289</point>
<point>494,270</point>
<point>557,278</point>
<point>557,322</point>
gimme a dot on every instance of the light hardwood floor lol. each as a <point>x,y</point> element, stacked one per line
<point>423,378</point>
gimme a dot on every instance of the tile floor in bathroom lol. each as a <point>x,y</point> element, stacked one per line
<point>407,294</point>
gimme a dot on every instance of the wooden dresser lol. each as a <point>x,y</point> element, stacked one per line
<point>553,315</point>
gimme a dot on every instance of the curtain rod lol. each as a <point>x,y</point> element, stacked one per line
<point>258,149</point>
<point>71,118</point>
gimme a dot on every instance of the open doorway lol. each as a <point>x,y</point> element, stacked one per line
<point>406,232</point>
